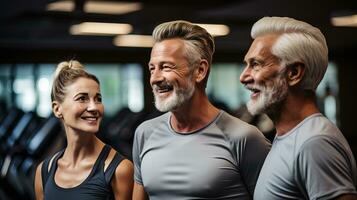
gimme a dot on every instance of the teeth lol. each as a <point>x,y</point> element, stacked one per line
<point>163,90</point>
<point>90,118</point>
<point>254,90</point>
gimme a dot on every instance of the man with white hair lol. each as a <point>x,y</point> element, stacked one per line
<point>195,150</point>
<point>310,158</point>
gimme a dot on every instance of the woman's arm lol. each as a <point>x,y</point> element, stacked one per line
<point>122,182</point>
<point>38,183</point>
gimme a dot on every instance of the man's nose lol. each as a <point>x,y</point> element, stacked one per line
<point>156,76</point>
<point>246,76</point>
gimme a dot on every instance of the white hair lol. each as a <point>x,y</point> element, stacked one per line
<point>299,42</point>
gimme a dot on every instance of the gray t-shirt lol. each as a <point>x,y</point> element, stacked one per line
<point>220,161</point>
<point>312,161</point>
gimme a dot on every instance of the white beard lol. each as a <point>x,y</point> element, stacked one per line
<point>269,98</point>
<point>175,100</point>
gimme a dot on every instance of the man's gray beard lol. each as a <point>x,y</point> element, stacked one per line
<point>178,98</point>
<point>270,99</point>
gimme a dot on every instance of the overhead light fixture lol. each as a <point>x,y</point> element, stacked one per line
<point>349,20</point>
<point>216,29</point>
<point>110,7</point>
<point>134,41</point>
<point>96,28</point>
<point>64,6</point>
<point>103,7</point>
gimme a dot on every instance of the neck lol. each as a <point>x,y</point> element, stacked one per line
<point>81,145</point>
<point>193,115</point>
<point>294,110</point>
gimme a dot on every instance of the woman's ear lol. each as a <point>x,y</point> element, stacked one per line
<point>201,71</point>
<point>56,109</point>
<point>295,73</point>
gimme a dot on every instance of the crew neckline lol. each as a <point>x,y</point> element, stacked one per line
<point>297,126</point>
<point>220,113</point>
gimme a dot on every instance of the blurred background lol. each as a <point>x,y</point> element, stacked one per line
<point>112,39</point>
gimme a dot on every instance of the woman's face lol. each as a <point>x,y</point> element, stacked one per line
<point>82,108</point>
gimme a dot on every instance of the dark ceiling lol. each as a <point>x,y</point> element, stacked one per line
<point>30,33</point>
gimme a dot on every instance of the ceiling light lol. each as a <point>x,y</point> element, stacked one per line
<point>96,28</point>
<point>65,6</point>
<point>216,29</point>
<point>104,7</point>
<point>109,7</point>
<point>350,20</point>
<point>134,41</point>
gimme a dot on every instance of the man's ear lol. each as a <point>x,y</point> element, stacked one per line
<point>201,71</point>
<point>56,109</point>
<point>295,73</point>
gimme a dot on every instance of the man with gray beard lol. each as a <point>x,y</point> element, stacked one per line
<point>310,158</point>
<point>195,150</point>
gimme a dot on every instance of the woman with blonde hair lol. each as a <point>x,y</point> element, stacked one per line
<point>87,168</point>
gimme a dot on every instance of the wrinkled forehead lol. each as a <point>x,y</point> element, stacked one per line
<point>168,49</point>
<point>261,46</point>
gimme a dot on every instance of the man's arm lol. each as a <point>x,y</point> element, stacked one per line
<point>323,169</point>
<point>139,192</point>
<point>256,149</point>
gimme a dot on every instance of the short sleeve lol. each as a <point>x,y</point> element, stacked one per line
<point>324,169</point>
<point>252,156</point>
<point>137,158</point>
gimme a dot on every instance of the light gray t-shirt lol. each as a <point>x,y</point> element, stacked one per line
<point>220,161</point>
<point>312,161</point>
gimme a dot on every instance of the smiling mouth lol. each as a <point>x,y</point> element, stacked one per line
<point>90,118</point>
<point>163,88</point>
<point>254,91</point>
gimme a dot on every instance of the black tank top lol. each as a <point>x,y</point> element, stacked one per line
<point>96,186</point>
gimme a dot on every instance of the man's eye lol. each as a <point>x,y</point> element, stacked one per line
<point>82,98</point>
<point>167,67</point>
<point>255,65</point>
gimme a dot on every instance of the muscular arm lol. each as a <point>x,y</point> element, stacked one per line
<point>38,183</point>
<point>122,182</point>
<point>139,192</point>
